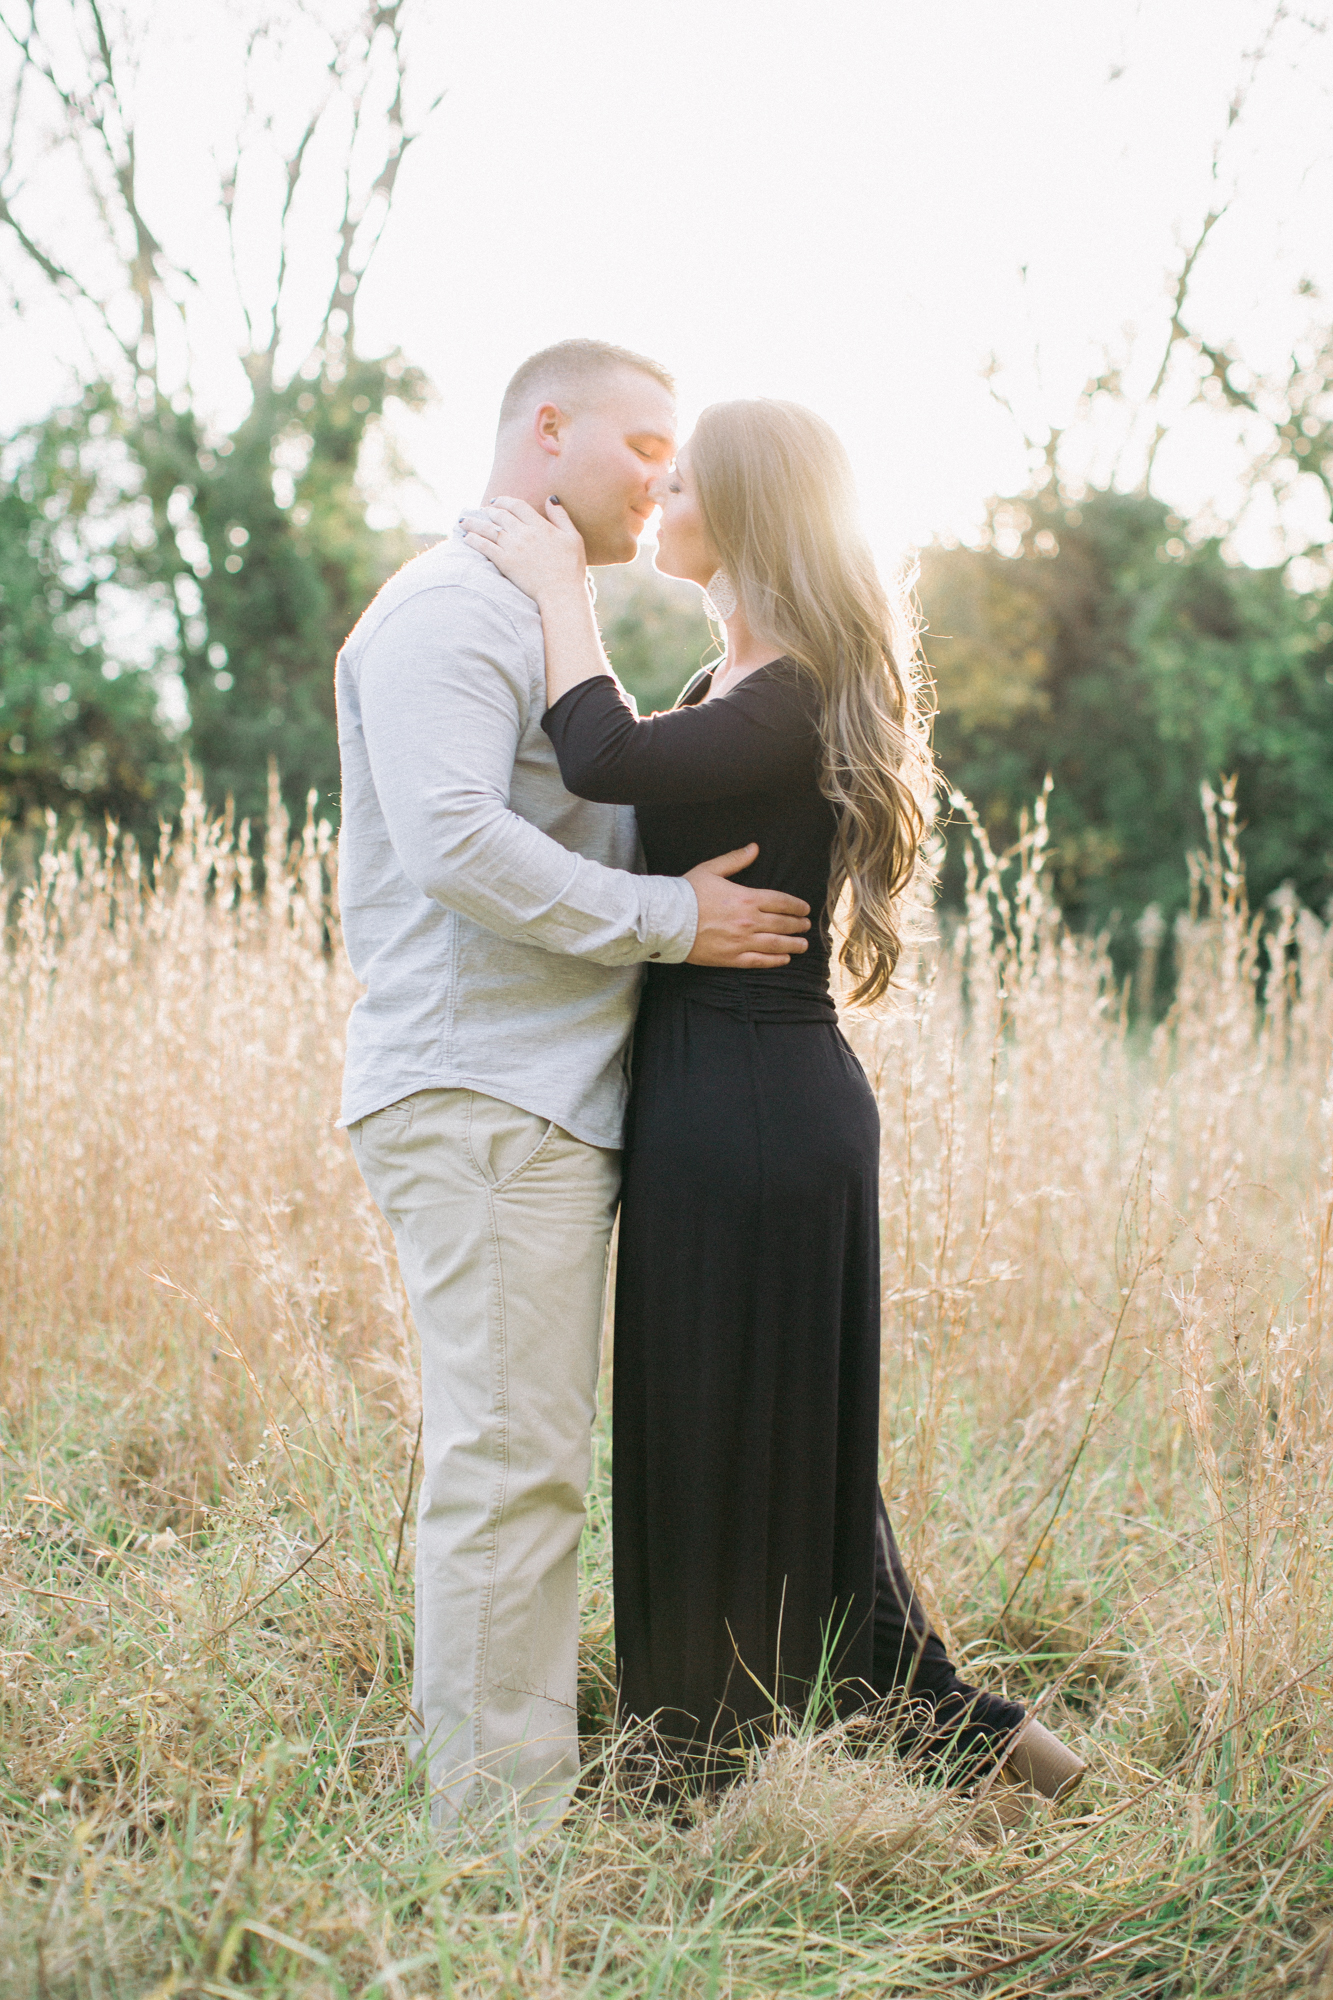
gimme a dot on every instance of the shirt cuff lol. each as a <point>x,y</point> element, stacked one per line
<point>672,912</point>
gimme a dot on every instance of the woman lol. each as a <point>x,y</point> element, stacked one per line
<point>755,1567</point>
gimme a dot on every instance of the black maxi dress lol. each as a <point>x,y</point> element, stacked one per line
<point>755,1568</point>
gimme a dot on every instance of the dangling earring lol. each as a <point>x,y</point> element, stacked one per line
<point>720,595</point>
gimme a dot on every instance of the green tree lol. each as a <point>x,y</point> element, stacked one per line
<point>247,547</point>
<point>1132,664</point>
<point>260,547</point>
<point>76,732</point>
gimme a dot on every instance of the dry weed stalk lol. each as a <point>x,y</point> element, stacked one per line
<point>170,1054</point>
<point>1104,1241</point>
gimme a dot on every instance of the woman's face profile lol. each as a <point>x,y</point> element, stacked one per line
<point>683,545</point>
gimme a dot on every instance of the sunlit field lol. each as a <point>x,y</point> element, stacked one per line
<point>1108,1268</point>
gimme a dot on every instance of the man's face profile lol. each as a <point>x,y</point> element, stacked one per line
<point>610,454</point>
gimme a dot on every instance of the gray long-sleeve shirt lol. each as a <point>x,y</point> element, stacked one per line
<point>490,915</point>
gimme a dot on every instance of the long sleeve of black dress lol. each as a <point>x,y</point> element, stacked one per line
<point>711,776</point>
<point>754,1560</point>
<point>758,738</point>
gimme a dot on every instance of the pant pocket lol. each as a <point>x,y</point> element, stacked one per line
<point>392,1119</point>
<point>503,1140</point>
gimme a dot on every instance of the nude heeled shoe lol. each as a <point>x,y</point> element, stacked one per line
<point>1038,1767</point>
<point>1039,1760</point>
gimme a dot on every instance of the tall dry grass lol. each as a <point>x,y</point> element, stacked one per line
<point>1108,1294</point>
<point>183,1225</point>
<point>1107,1444</point>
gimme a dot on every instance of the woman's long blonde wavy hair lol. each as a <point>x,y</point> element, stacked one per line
<point>777,498</point>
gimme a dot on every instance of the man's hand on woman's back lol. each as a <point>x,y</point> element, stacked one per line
<point>744,927</point>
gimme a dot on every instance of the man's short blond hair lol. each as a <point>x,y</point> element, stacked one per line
<point>566,373</point>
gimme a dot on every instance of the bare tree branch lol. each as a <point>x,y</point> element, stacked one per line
<point>1302,434</point>
<point>357,244</point>
<point>94,112</point>
<point>294,167</point>
<point>63,280</point>
<point>89,112</point>
<point>1178,333</point>
<point>1302,431</point>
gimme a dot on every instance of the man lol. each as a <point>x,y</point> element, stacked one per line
<point>499,931</point>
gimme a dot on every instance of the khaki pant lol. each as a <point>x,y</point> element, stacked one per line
<point>502,1223</point>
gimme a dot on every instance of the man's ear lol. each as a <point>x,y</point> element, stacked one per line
<point>549,427</point>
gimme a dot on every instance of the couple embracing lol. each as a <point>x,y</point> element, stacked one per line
<point>517,846</point>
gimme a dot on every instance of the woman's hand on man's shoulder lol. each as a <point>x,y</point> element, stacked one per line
<point>543,555</point>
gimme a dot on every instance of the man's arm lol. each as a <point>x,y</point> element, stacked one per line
<point>444,695</point>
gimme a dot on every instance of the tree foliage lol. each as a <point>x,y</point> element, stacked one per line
<point>1132,664</point>
<point>258,544</point>
<point>74,727</point>
<point>245,547</point>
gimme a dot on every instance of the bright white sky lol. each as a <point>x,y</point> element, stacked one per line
<point>851,205</point>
